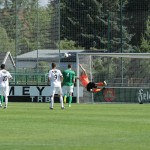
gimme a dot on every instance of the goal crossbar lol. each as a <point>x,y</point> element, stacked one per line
<point>122,55</point>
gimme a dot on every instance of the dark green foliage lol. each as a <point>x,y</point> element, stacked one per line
<point>94,24</point>
<point>137,14</point>
<point>145,42</point>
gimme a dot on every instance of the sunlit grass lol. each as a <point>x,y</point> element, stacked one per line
<point>33,126</point>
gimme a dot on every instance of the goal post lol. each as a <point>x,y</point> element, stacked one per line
<point>127,75</point>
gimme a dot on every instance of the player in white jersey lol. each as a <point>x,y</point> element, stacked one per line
<point>55,78</point>
<point>4,84</point>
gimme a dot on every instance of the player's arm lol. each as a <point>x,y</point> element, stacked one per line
<point>48,80</point>
<point>74,80</point>
<point>10,76</point>
<point>61,78</point>
<point>83,70</point>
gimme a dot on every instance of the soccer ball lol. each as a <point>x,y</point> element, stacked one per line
<point>67,55</point>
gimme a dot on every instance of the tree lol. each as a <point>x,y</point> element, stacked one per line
<point>6,43</point>
<point>54,27</point>
<point>70,45</point>
<point>145,44</point>
<point>26,23</point>
<point>91,25</point>
<point>137,14</point>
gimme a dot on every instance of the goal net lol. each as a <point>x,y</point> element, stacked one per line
<point>127,76</point>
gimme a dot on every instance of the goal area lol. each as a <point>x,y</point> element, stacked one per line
<point>127,76</point>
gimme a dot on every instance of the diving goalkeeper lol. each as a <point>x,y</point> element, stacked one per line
<point>90,86</point>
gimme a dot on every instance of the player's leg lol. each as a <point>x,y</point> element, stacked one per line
<point>101,83</point>
<point>1,100</point>
<point>65,98</point>
<point>95,90</point>
<point>65,93</point>
<point>52,102</point>
<point>6,101</point>
<point>6,94</point>
<point>70,99</point>
<point>97,87</point>
<point>52,93</point>
<point>70,94</point>
<point>1,96</point>
<point>59,89</point>
<point>61,102</point>
<point>90,86</point>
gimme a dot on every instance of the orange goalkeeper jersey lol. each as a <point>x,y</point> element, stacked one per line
<point>84,80</point>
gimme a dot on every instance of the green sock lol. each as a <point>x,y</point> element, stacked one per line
<point>65,98</point>
<point>1,99</point>
<point>70,99</point>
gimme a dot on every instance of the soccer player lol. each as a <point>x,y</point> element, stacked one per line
<point>90,86</point>
<point>5,76</point>
<point>68,83</point>
<point>55,78</point>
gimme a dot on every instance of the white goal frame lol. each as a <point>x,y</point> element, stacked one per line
<point>115,55</point>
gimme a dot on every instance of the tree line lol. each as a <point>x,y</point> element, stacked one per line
<point>112,25</point>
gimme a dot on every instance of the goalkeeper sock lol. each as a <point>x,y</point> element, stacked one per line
<point>65,98</point>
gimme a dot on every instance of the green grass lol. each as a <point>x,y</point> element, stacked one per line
<point>32,126</point>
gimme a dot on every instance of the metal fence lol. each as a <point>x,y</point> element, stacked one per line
<point>38,33</point>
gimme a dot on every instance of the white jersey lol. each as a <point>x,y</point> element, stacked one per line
<point>54,76</point>
<point>4,78</point>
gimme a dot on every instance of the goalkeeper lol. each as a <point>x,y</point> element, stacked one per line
<point>90,86</point>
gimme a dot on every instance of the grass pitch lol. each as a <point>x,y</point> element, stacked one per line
<point>33,126</point>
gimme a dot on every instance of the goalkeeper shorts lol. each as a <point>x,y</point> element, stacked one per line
<point>90,86</point>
